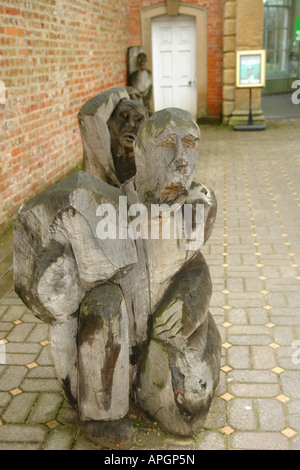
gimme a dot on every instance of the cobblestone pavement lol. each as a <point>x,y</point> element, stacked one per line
<point>254,261</point>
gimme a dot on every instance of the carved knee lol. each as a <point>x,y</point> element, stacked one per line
<point>103,355</point>
<point>100,305</point>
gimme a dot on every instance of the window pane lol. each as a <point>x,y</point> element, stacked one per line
<point>270,15</point>
<point>278,2</point>
<point>271,41</point>
<point>282,18</point>
<point>282,61</point>
<point>282,39</point>
<point>270,62</point>
<point>277,41</point>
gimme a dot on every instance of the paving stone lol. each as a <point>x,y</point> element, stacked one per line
<point>20,332</point>
<point>19,408</point>
<point>253,376</point>
<point>296,442</point>
<point>23,348</point>
<point>46,408</point>
<point>45,358</point>
<point>211,441</point>
<point>293,407</point>
<point>254,390</point>
<point>242,414</point>
<point>217,299</point>
<point>257,316</point>
<point>217,405</point>
<point>60,439</point>
<point>38,333</point>
<point>4,328</point>
<point>248,330</point>
<point>263,357</point>
<point>235,285</point>
<point>253,285</point>
<point>291,383</point>
<point>30,318</point>
<point>249,340</point>
<point>294,423</point>
<point>215,420</point>
<point>245,302</point>
<point>19,446</point>
<point>277,299</point>
<point>270,415</point>
<point>14,312</point>
<point>5,398</point>
<point>283,334</point>
<point>12,377</point>
<point>239,357</point>
<point>67,416</point>
<point>234,273</point>
<point>293,299</point>
<point>238,316</point>
<point>20,359</point>
<point>42,372</point>
<point>22,433</point>
<point>259,441</point>
<point>40,385</point>
<point>3,309</point>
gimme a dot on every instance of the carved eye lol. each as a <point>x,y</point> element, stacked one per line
<point>139,118</point>
<point>168,142</point>
<point>189,141</point>
<point>124,115</point>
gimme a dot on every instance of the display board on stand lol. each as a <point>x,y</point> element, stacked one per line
<point>250,73</point>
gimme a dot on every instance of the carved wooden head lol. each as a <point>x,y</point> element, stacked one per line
<point>123,125</point>
<point>141,60</point>
<point>166,152</point>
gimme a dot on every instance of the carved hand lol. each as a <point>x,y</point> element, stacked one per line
<point>200,194</point>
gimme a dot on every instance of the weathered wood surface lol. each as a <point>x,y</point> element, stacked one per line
<point>128,316</point>
<point>124,124</point>
<point>103,352</point>
<point>58,256</point>
<point>92,119</point>
<point>58,261</point>
<point>101,146</point>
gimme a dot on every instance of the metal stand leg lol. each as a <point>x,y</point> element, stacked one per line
<point>250,126</point>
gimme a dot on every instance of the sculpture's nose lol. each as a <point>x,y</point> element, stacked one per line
<point>131,122</point>
<point>180,161</point>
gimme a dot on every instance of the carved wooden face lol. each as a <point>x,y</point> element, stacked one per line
<point>141,61</point>
<point>123,125</point>
<point>176,151</point>
<point>166,155</point>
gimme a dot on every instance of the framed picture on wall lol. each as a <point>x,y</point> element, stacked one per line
<point>251,69</point>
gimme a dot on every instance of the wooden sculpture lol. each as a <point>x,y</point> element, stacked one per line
<point>128,311</point>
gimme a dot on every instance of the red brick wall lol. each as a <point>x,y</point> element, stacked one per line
<point>214,44</point>
<point>54,55</point>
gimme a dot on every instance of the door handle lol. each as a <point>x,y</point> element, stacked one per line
<point>190,82</point>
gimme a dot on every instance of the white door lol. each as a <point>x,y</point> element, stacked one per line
<point>174,63</point>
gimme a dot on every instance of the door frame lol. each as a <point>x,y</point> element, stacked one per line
<point>201,45</point>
